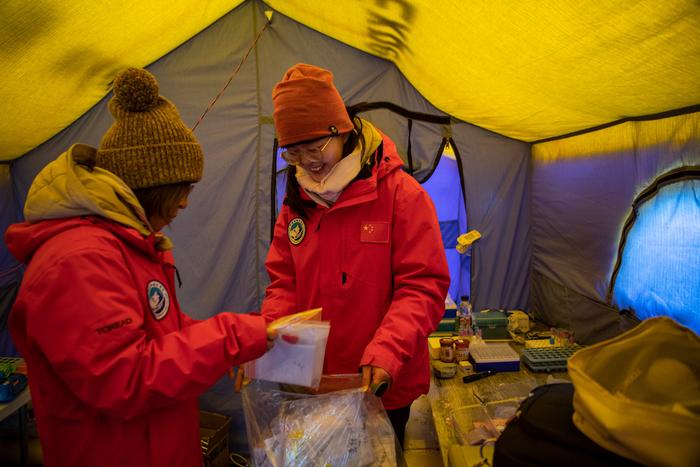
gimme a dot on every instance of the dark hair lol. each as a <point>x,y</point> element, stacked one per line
<point>293,195</point>
<point>161,200</point>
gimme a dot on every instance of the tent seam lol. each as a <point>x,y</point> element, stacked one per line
<point>642,118</point>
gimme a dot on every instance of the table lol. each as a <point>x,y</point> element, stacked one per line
<point>19,403</point>
<point>456,405</point>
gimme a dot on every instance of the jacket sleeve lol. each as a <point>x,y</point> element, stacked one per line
<point>280,296</point>
<point>93,337</point>
<point>186,320</point>
<point>421,280</point>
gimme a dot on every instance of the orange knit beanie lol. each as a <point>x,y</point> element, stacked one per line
<point>308,106</point>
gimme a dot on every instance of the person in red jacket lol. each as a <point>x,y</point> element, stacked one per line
<point>358,237</point>
<point>115,367</point>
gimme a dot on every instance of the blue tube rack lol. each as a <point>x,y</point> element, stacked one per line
<point>548,358</point>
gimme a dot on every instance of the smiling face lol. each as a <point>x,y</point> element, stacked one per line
<point>316,157</point>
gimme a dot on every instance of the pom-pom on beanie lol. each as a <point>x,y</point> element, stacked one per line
<point>148,144</point>
<point>307,106</point>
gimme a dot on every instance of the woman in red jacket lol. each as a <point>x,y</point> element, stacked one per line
<point>357,236</point>
<point>115,367</point>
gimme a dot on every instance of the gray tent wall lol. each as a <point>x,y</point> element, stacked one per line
<point>223,236</point>
<point>579,206</point>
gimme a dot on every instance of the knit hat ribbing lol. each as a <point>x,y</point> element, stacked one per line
<point>307,106</point>
<point>148,144</point>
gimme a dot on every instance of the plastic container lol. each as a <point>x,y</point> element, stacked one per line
<point>493,324</point>
<point>497,357</point>
<point>300,363</point>
<point>443,370</point>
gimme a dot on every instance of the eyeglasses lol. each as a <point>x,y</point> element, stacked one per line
<point>293,156</point>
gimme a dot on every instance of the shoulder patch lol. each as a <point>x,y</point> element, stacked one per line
<point>296,230</point>
<point>158,299</point>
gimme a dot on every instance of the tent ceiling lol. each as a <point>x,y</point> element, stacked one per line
<point>528,70</point>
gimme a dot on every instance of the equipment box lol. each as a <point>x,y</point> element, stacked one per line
<point>213,435</point>
<point>493,324</point>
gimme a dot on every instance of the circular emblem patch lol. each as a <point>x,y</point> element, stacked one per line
<point>158,299</point>
<point>296,229</point>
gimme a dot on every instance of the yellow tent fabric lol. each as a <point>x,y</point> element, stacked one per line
<point>672,132</point>
<point>528,70</point>
<point>58,58</point>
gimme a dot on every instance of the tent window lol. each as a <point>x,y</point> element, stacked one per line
<point>445,189</point>
<point>659,272</point>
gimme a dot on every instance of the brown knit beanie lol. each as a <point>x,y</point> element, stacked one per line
<point>147,145</point>
<point>308,106</point>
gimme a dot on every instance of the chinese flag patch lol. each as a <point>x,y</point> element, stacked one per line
<point>374,232</point>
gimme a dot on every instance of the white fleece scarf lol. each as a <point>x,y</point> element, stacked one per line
<point>327,191</point>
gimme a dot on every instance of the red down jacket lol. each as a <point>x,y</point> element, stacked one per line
<point>376,264</point>
<point>115,367</point>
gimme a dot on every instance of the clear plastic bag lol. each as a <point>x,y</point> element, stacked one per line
<point>347,428</point>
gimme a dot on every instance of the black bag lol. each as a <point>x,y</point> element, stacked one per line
<point>543,434</point>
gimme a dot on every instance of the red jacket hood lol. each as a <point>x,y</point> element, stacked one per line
<point>390,158</point>
<point>24,239</point>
